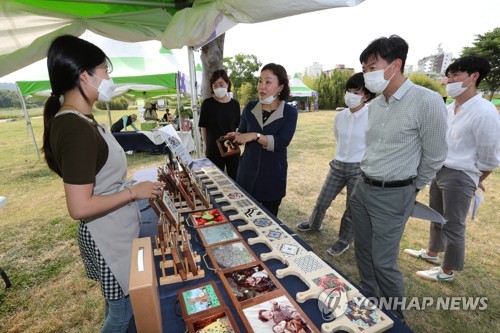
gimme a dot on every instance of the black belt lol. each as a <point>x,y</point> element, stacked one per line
<point>379,183</point>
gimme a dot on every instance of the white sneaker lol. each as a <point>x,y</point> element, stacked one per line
<point>422,254</point>
<point>436,274</point>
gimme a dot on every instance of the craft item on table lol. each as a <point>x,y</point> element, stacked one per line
<point>247,213</point>
<point>217,322</point>
<point>178,186</point>
<point>167,177</point>
<point>191,257</point>
<point>229,255</point>
<point>162,236</point>
<point>185,194</point>
<point>178,262</point>
<point>265,227</point>
<point>197,187</point>
<point>204,218</point>
<point>221,188</point>
<point>144,293</point>
<point>168,206</point>
<point>360,315</point>
<point>229,196</point>
<point>184,259</point>
<point>218,233</point>
<point>277,314</point>
<point>239,204</point>
<point>312,270</point>
<point>202,299</point>
<point>156,206</point>
<point>227,146</point>
<point>249,282</point>
<point>281,250</point>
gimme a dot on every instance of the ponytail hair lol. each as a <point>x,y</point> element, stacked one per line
<point>52,105</point>
<point>68,57</point>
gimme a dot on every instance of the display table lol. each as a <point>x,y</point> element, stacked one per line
<point>137,141</point>
<point>150,140</point>
<point>173,322</point>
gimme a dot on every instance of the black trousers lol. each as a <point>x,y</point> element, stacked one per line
<point>227,164</point>
<point>272,206</point>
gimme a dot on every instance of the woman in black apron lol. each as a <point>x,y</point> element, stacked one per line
<point>93,167</point>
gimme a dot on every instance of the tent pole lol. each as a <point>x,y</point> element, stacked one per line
<point>194,101</point>
<point>177,87</point>
<point>109,115</point>
<point>28,121</point>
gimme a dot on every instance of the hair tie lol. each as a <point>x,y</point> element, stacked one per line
<point>54,95</point>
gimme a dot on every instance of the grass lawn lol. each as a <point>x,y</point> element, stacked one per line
<point>50,293</point>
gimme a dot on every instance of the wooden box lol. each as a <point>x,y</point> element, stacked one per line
<point>144,294</point>
<point>227,147</point>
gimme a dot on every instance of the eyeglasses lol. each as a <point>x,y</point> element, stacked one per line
<point>106,67</point>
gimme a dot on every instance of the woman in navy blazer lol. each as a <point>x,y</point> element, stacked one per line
<point>266,128</point>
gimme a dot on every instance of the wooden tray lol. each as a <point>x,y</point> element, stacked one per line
<point>284,311</point>
<point>201,299</point>
<point>217,234</point>
<point>229,255</point>
<point>220,321</point>
<point>249,282</point>
<point>227,147</point>
<point>207,217</point>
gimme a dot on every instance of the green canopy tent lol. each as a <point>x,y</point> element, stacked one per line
<point>300,92</point>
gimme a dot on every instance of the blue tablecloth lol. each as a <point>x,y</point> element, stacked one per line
<point>137,142</point>
<point>172,320</point>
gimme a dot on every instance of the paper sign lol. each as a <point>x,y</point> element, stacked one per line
<point>174,143</point>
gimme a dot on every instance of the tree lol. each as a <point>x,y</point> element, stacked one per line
<point>211,60</point>
<point>9,99</point>
<point>242,68</point>
<point>247,93</point>
<point>488,46</point>
<point>331,89</point>
<point>425,81</point>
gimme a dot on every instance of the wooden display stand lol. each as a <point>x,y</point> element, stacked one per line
<point>184,188</point>
<point>144,294</point>
<point>184,260</point>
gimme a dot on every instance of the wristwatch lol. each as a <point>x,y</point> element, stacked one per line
<point>258,136</point>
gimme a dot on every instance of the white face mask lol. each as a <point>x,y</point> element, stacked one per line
<point>375,81</point>
<point>220,92</point>
<point>105,89</point>
<point>352,100</point>
<point>455,89</point>
<point>269,99</point>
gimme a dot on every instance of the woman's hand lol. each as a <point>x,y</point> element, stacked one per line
<point>146,190</point>
<point>244,138</point>
<point>231,135</point>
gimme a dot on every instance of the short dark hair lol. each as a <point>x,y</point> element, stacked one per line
<point>388,48</point>
<point>471,64</point>
<point>357,81</point>
<point>220,73</point>
<point>280,72</point>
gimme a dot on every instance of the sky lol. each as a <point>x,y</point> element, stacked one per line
<point>339,35</point>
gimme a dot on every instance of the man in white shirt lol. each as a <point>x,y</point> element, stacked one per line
<point>473,140</point>
<point>349,131</point>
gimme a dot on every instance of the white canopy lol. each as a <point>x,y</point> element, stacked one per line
<point>28,26</point>
<point>299,89</point>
